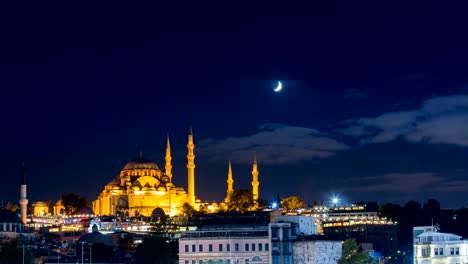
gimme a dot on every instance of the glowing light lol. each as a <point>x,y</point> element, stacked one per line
<point>274,205</point>
<point>278,87</point>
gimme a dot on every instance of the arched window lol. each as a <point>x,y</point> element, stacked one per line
<point>257,258</point>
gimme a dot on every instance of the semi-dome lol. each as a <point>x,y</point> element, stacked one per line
<point>141,163</point>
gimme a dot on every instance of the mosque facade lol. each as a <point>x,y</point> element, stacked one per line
<point>143,189</point>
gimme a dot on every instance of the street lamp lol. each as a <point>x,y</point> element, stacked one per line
<point>82,251</point>
<point>90,252</point>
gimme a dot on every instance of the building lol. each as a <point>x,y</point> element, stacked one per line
<point>225,244</point>
<point>141,188</point>
<point>281,236</point>
<point>364,226</point>
<point>432,247</point>
<point>305,224</point>
<point>11,226</point>
<point>40,208</point>
<point>311,250</point>
<point>288,245</point>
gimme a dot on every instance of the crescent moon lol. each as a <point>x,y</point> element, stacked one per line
<point>279,87</point>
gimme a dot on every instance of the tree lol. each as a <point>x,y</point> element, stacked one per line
<point>50,206</point>
<point>241,201</point>
<point>162,238</point>
<point>431,212</point>
<point>203,209</point>
<point>73,203</point>
<point>351,254</point>
<point>292,203</point>
<point>12,207</point>
<point>391,211</point>
<point>187,210</point>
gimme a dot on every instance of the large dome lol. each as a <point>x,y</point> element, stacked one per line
<point>141,164</point>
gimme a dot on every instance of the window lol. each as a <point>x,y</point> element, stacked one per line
<point>201,262</point>
<point>267,247</point>
<point>220,247</point>
<point>228,247</point>
<point>425,252</point>
<point>457,251</point>
<point>253,246</point>
<point>193,248</point>
<point>186,248</point>
<point>257,258</point>
<point>200,249</point>
<point>236,247</point>
<point>246,247</point>
<point>194,261</point>
<point>436,251</point>
<point>260,246</point>
<point>286,232</point>
<point>452,251</point>
<point>274,232</point>
<point>186,262</point>
<point>441,251</point>
<point>210,248</point>
<point>294,231</point>
<point>246,261</point>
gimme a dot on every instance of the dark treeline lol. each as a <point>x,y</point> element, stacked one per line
<point>414,214</point>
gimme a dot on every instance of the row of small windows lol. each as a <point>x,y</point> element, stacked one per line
<point>426,252</point>
<point>224,261</point>
<point>227,247</point>
<point>11,227</point>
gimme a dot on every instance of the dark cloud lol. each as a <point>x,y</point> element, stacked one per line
<point>273,144</point>
<point>440,120</point>
<point>408,184</point>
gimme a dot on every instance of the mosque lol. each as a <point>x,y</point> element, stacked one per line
<point>142,188</point>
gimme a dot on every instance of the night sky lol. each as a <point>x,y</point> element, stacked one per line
<point>374,105</point>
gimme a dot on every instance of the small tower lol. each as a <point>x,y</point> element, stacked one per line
<point>23,201</point>
<point>230,183</point>
<point>255,182</point>
<point>191,168</point>
<point>168,159</point>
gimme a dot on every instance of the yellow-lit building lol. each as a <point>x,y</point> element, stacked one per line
<point>40,208</point>
<point>141,188</point>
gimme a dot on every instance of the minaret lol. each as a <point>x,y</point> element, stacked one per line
<point>230,182</point>
<point>255,181</point>
<point>23,201</point>
<point>191,168</point>
<point>168,159</point>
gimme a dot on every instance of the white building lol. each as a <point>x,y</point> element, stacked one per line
<point>432,247</point>
<point>306,224</point>
<point>316,251</point>
<point>225,244</point>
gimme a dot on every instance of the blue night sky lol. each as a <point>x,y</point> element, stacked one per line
<point>374,105</point>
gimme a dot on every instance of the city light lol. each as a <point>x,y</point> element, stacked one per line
<point>274,205</point>
<point>335,200</point>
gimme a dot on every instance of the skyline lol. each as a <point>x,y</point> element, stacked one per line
<point>374,105</point>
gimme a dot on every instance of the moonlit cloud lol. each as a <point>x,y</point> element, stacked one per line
<point>273,144</point>
<point>440,120</point>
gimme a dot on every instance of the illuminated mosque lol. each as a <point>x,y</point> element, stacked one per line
<point>142,188</point>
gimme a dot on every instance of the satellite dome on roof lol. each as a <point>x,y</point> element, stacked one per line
<point>141,163</point>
